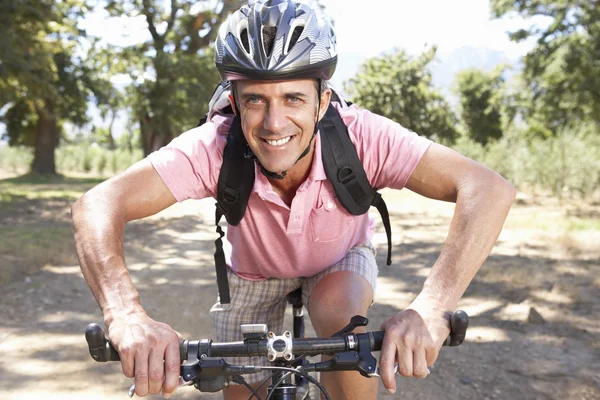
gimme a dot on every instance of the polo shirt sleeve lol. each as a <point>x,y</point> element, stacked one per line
<point>389,152</point>
<point>189,165</point>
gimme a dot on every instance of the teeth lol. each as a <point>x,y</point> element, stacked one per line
<point>279,142</point>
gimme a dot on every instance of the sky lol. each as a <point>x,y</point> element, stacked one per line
<point>366,28</point>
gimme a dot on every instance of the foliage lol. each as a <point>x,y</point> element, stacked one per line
<point>562,72</point>
<point>173,73</point>
<point>15,159</point>
<point>43,81</point>
<point>564,165</point>
<point>480,97</point>
<point>94,159</point>
<point>399,87</point>
<point>78,159</point>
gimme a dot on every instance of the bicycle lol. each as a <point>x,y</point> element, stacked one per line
<point>207,371</point>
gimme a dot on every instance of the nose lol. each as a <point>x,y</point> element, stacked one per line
<point>275,119</point>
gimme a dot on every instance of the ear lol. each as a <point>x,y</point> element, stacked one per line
<point>325,100</point>
<point>232,100</point>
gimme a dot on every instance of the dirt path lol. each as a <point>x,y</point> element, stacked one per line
<point>509,353</point>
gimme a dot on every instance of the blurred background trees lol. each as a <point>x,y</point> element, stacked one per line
<point>399,87</point>
<point>480,103</point>
<point>562,73</point>
<point>43,80</point>
<point>173,74</point>
<point>536,123</point>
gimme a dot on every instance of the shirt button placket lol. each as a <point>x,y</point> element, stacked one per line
<point>297,211</point>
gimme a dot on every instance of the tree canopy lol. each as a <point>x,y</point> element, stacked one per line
<point>480,97</point>
<point>562,72</point>
<point>399,87</point>
<point>172,73</point>
<point>43,80</point>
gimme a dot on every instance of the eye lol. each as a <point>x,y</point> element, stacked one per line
<point>253,101</point>
<point>294,99</point>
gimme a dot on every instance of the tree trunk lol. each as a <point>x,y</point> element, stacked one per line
<point>111,139</point>
<point>46,139</point>
<point>151,140</point>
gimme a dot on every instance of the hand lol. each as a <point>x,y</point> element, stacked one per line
<point>413,339</point>
<point>149,352</point>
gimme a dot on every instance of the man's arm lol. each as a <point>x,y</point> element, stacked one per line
<point>483,199</point>
<point>99,218</point>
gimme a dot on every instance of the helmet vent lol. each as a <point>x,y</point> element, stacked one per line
<point>295,35</point>
<point>268,39</point>
<point>244,39</point>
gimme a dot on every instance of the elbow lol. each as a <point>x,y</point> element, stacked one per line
<point>78,211</point>
<point>502,190</point>
<point>91,206</point>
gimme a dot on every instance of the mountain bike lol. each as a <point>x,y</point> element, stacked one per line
<point>203,365</point>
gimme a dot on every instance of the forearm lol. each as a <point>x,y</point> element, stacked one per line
<point>99,241</point>
<point>481,209</point>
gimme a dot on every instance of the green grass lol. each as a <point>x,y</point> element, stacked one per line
<point>37,179</point>
<point>40,187</point>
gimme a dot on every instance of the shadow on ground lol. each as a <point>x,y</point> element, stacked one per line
<point>506,356</point>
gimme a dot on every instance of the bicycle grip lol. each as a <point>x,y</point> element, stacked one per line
<point>100,348</point>
<point>459,322</point>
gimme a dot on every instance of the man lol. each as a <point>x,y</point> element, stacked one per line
<point>276,56</point>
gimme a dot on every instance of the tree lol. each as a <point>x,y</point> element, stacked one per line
<point>399,87</point>
<point>480,98</point>
<point>173,73</point>
<point>563,70</point>
<point>43,83</point>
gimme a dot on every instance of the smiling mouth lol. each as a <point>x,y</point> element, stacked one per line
<point>279,142</point>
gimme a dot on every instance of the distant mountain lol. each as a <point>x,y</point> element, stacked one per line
<point>447,64</point>
<point>443,68</point>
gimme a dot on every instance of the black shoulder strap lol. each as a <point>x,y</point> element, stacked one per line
<point>347,174</point>
<point>236,180</point>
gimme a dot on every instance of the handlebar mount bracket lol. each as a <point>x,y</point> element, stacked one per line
<point>199,365</point>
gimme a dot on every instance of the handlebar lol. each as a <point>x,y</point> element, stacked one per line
<point>102,350</point>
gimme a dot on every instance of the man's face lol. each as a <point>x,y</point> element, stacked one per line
<point>278,119</point>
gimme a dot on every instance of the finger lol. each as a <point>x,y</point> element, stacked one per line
<point>156,370</point>
<point>127,361</point>
<point>141,374</point>
<point>387,359</point>
<point>172,364</point>
<point>419,364</point>
<point>405,361</point>
<point>431,355</point>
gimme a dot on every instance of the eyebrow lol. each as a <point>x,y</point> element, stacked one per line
<point>250,95</point>
<point>296,94</point>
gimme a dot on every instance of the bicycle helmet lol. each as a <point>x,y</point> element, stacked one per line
<point>303,44</point>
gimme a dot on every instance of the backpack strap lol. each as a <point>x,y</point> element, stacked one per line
<point>236,181</point>
<point>347,174</point>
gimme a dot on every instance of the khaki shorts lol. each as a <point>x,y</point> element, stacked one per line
<point>264,302</point>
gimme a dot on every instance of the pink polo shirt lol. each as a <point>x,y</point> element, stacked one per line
<point>277,241</point>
